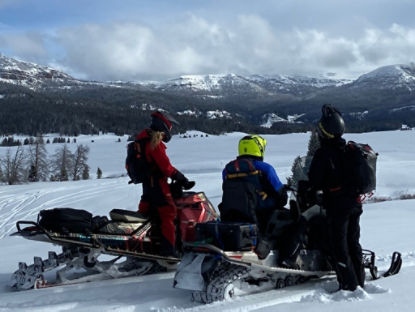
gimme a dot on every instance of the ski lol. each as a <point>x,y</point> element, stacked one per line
<point>369,259</point>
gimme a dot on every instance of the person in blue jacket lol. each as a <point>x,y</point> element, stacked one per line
<point>252,190</point>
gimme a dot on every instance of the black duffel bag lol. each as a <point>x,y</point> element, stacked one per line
<point>66,220</point>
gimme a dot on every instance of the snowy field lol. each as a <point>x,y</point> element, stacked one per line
<point>386,226</point>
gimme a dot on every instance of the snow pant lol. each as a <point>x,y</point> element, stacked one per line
<point>343,216</point>
<point>158,203</point>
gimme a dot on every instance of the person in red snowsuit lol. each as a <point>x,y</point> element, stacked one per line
<point>157,199</point>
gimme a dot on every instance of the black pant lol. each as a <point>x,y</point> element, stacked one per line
<point>343,217</point>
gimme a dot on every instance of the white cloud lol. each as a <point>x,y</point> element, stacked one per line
<point>30,45</point>
<point>195,45</point>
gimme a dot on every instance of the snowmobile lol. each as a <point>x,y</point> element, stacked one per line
<point>221,262</point>
<point>128,242</point>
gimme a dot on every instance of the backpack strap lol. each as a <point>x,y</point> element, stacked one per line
<point>241,168</point>
<point>242,174</point>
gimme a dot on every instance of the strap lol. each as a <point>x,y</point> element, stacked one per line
<point>250,165</point>
<point>335,189</point>
<point>242,174</point>
<point>263,195</point>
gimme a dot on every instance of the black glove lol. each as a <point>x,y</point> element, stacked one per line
<point>287,187</point>
<point>183,181</point>
<point>282,197</point>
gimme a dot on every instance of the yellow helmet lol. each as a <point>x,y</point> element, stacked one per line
<point>252,145</point>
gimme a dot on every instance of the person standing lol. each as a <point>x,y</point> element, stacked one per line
<point>327,173</point>
<point>157,200</point>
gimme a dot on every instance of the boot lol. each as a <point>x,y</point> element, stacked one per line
<point>262,249</point>
<point>167,249</point>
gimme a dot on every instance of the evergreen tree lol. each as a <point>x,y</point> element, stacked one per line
<point>33,176</point>
<point>300,165</point>
<point>313,143</point>
<point>99,173</point>
<point>85,172</point>
<point>1,172</point>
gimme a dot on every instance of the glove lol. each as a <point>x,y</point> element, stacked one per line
<point>283,197</point>
<point>319,197</point>
<point>179,177</point>
<point>287,187</point>
<point>183,181</point>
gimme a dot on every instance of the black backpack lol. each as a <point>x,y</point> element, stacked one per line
<point>240,196</point>
<point>136,163</point>
<point>360,167</point>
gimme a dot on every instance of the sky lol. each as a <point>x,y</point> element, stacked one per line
<point>161,39</point>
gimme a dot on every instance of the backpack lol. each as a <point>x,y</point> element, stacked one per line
<point>136,162</point>
<point>240,192</point>
<point>360,167</point>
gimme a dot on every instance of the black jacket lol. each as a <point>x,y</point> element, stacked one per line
<point>327,167</point>
<point>327,171</point>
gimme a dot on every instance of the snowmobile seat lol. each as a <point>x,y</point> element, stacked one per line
<point>127,216</point>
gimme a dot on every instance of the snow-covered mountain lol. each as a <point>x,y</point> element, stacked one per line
<point>213,86</point>
<point>37,77</point>
<point>31,75</point>
<point>391,77</point>
<point>254,100</point>
<point>217,86</point>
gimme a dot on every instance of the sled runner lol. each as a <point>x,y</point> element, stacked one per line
<point>127,237</point>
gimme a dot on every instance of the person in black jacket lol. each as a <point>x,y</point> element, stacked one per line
<point>341,202</point>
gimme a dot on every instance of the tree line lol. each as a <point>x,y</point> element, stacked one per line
<point>11,141</point>
<point>33,164</point>
<point>123,111</point>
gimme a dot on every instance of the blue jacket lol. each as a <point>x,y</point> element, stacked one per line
<point>268,172</point>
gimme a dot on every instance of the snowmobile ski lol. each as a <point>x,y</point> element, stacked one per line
<point>369,259</point>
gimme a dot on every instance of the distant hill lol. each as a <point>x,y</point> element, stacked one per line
<point>36,98</point>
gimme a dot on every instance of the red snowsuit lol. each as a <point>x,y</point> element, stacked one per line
<point>156,191</point>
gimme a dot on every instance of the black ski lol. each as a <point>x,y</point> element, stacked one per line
<point>369,258</point>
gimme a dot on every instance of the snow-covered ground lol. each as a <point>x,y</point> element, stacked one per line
<point>386,226</point>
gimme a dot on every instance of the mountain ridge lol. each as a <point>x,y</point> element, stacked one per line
<point>383,99</point>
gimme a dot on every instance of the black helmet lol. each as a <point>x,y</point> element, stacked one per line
<point>331,124</point>
<point>163,122</point>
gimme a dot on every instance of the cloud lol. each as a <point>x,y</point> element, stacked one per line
<point>397,45</point>
<point>29,46</point>
<point>194,45</point>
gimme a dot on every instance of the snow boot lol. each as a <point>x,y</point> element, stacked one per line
<point>262,249</point>
<point>166,249</point>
